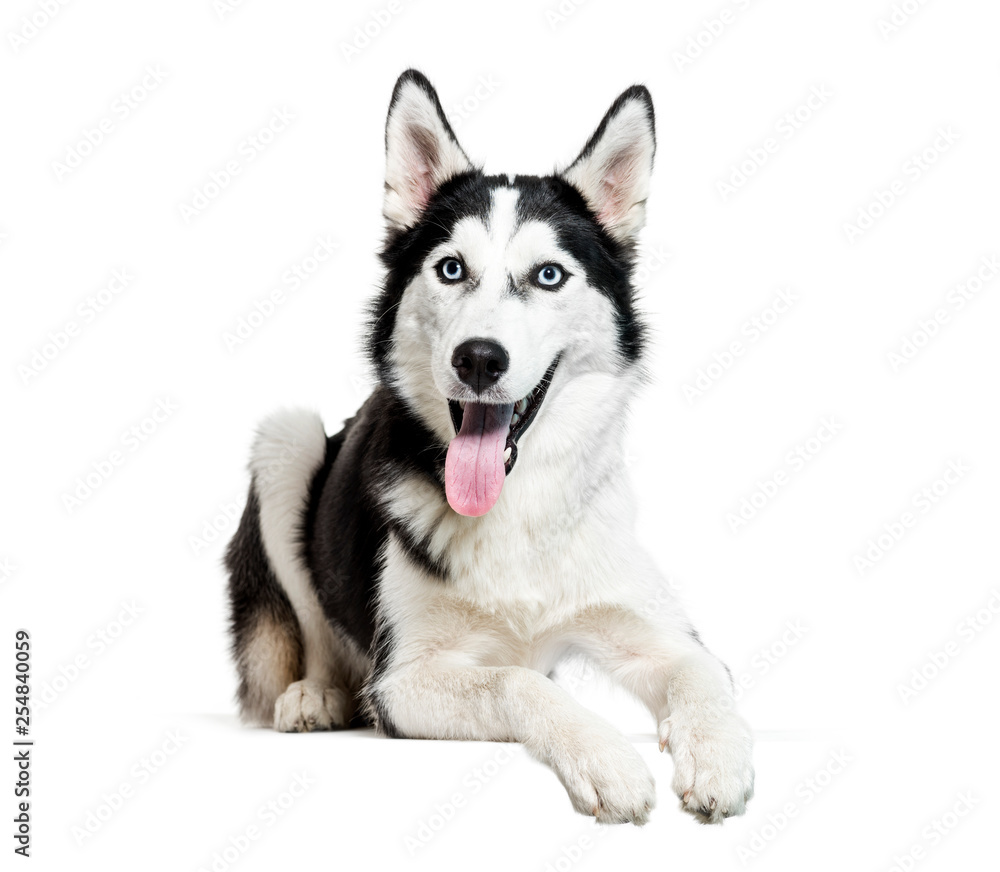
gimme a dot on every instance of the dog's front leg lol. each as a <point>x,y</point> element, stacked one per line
<point>602,772</point>
<point>688,690</point>
<point>711,744</point>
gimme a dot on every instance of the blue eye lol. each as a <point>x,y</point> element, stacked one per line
<point>451,270</point>
<point>550,276</point>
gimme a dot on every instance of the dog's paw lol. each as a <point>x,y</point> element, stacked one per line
<point>308,705</point>
<point>606,778</point>
<point>713,769</point>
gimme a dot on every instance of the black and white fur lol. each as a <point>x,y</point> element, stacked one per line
<point>359,595</point>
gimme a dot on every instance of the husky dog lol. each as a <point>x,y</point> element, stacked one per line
<point>424,569</point>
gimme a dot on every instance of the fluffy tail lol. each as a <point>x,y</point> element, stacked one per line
<point>266,570</point>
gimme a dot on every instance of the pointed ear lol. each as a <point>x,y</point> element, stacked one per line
<point>612,172</point>
<point>421,150</point>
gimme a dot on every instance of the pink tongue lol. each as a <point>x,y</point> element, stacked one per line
<point>473,471</point>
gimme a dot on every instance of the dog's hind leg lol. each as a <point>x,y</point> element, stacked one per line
<point>267,642</point>
<point>295,671</point>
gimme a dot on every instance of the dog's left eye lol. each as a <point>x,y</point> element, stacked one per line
<point>451,270</point>
<point>550,276</point>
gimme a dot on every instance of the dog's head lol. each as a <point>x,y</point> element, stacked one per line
<point>501,291</point>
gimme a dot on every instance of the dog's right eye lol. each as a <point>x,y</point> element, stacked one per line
<point>451,270</point>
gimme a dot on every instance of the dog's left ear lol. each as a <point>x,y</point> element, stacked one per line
<point>612,172</point>
<point>421,150</point>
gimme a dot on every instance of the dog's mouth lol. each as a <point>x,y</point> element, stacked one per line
<point>484,449</point>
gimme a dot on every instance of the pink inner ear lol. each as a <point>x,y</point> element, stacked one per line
<point>611,206</point>
<point>422,162</point>
<point>616,195</point>
<point>420,185</point>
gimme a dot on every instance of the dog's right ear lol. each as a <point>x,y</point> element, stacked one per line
<point>420,149</point>
<point>612,172</point>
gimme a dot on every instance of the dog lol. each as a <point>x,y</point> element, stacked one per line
<point>425,569</point>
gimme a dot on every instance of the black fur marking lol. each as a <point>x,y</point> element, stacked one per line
<point>255,593</point>
<point>607,262</point>
<point>347,525</point>
<point>381,719</point>
<point>419,551</point>
<point>307,531</point>
<point>403,255</point>
<point>694,635</point>
<point>378,711</point>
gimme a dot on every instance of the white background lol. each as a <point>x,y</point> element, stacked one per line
<point>138,537</point>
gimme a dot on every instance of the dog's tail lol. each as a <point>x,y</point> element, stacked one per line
<point>266,565</point>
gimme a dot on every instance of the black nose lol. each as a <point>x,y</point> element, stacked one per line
<point>480,362</point>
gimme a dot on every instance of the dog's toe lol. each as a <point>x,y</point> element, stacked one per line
<point>607,779</point>
<point>306,706</point>
<point>713,772</point>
